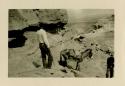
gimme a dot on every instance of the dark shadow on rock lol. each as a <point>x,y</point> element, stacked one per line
<point>79,39</point>
<point>97,27</point>
<point>64,70</point>
<point>19,38</point>
<point>87,53</point>
<point>62,63</point>
<point>36,64</point>
<point>15,33</point>
<point>18,42</point>
<point>33,28</point>
<point>53,27</point>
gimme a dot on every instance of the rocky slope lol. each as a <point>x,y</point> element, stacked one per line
<point>19,19</point>
<point>22,61</point>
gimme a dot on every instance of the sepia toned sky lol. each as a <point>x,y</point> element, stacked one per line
<point>85,15</point>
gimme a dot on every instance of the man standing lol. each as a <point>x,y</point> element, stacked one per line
<point>110,67</point>
<point>45,49</point>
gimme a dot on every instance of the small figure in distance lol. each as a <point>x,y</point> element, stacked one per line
<point>110,67</point>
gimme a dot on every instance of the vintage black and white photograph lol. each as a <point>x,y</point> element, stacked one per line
<point>61,43</point>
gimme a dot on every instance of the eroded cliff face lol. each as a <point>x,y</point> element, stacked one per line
<point>21,18</point>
